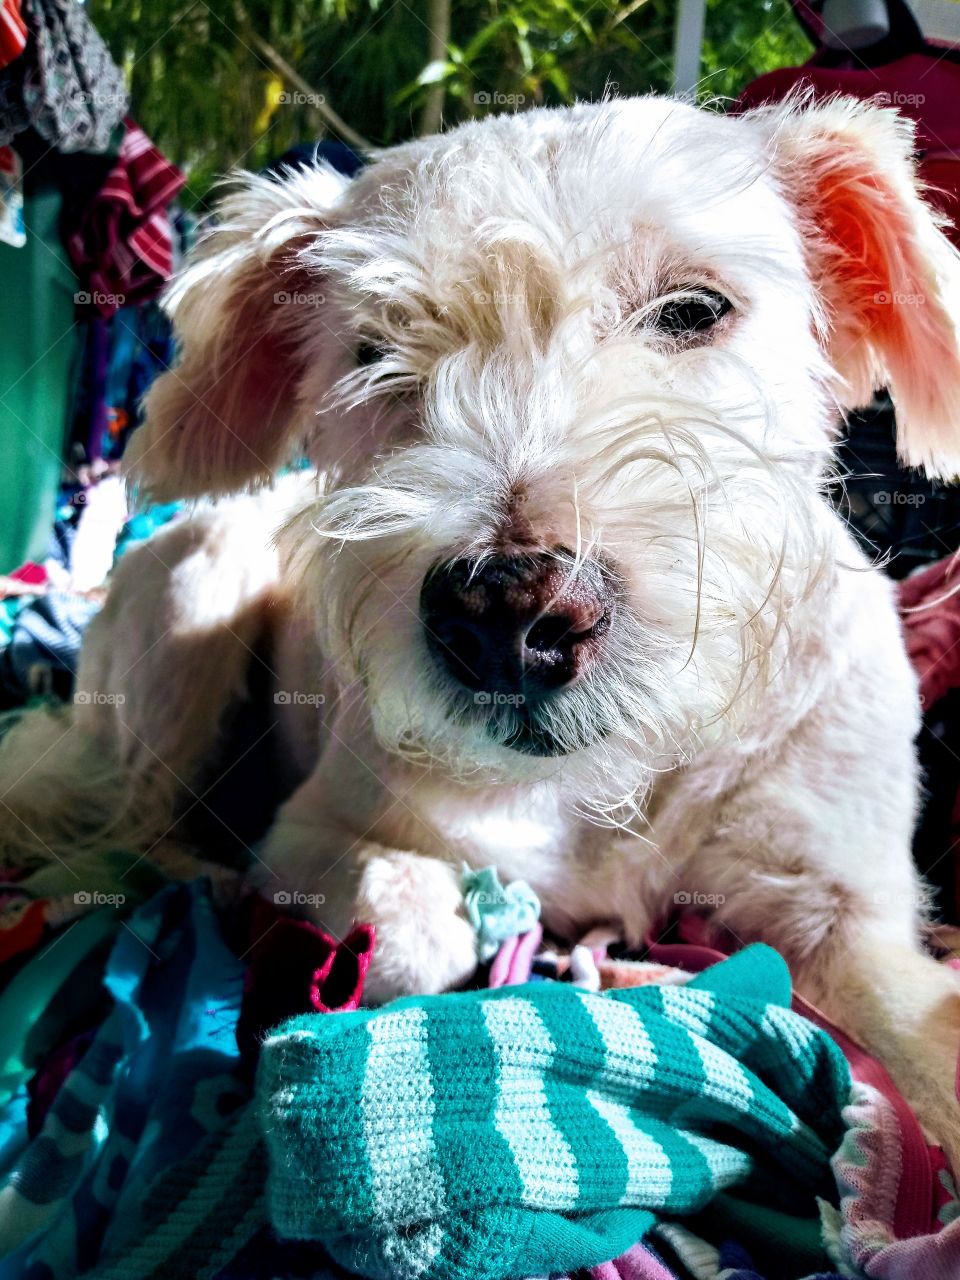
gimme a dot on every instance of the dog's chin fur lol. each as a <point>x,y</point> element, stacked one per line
<point>528,731</point>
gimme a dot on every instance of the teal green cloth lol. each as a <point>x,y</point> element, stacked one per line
<point>34,988</point>
<point>38,346</point>
<point>534,1129</point>
<point>144,524</point>
<point>497,912</point>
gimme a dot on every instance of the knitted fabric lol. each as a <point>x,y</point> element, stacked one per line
<point>496,911</point>
<point>873,1178</point>
<point>496,1134</point>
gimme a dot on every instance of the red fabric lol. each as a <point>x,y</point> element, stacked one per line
<point>13,32</point>
<point>336,984</point>
<point>920,86</point>
<point>123,248</point>
<point>930,612</point>
<point>21,928</point>
<point>294,967</point>
<point>31,574</point>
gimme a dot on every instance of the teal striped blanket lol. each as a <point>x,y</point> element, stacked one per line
<point>496,1134</point>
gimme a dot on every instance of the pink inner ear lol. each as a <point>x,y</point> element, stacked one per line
<point>861,270</point>
<point>227,415</point>
<point>867,278</point>
<point>880,278</point>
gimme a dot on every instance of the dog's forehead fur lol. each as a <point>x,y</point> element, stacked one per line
<point>646,190</point>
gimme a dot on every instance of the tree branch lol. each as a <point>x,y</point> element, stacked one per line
<point>438,24</point>
<point>317,100</point>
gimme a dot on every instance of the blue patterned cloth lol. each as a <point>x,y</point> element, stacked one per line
<point>157,1080</point>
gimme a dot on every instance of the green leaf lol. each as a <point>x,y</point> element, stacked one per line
<point>434,72</point>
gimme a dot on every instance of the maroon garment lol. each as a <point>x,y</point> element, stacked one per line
<point>701,946</point>
<point>294,967</point>
<point>930,612</point>
<point>923,86</point>
<point>43,1087</point>
<point>13,32</point>
<point>123,247</point>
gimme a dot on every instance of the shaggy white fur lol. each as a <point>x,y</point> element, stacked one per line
<point>484,343</point>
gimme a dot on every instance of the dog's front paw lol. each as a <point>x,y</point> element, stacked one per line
<point>424,943</point>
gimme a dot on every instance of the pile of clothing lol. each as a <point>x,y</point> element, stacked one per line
<point>46,605</point>
<point>88,239</point>
<point>190,1087</point>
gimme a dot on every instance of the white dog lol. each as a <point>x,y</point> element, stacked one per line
<point>564,595</point>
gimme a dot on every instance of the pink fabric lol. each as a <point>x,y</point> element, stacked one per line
<point>123,247</point>
<point>638,1264</point>
<point>511,965</point>
<point>871,1175</point>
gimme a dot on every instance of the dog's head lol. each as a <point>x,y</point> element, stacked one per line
<point>572,378</point>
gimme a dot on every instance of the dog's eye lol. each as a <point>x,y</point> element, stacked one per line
<point>369,353</point>
<point>693,313</point>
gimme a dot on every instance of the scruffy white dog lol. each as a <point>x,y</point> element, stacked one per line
<point>565,595</point>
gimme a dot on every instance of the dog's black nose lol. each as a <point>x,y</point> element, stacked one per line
<point>516,625</point>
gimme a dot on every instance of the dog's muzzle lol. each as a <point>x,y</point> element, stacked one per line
<point>515,630</point>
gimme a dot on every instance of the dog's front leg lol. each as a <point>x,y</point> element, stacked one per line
<point>327,857</point>
<point>904,1007</point>
<point>857,956</point>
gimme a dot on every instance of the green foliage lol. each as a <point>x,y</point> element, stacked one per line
<point>744,40</point>
<point>533,52</point>
<point>208,81</point>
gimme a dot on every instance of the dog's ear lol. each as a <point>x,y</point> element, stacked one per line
<point>245,308</point>
<point>887,277</point>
